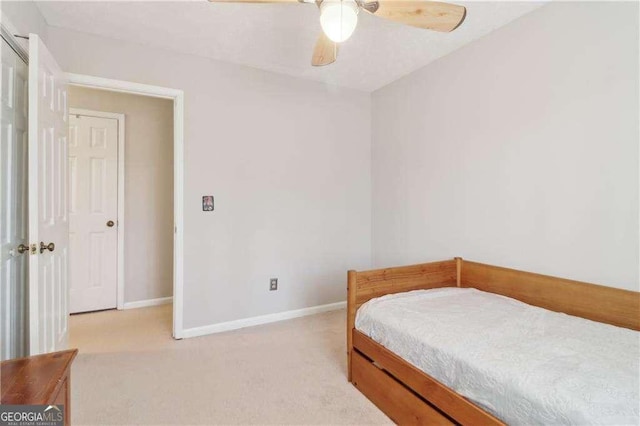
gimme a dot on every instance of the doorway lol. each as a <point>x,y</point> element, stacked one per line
<point>177,98</point>
<point>121,177</point>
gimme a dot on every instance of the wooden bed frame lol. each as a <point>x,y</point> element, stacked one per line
<point>409,396</point>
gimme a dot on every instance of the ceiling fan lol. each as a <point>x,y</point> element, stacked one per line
<point>338,19</point>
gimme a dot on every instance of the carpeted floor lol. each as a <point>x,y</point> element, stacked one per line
<point>130,371</point>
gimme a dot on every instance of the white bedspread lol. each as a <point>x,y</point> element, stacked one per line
<point>524,364</point>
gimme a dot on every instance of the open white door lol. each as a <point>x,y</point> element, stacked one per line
<point>48,215</point>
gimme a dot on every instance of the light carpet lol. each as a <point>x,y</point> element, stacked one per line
<point>130,371</point>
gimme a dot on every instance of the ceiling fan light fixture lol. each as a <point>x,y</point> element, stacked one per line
<point>338,19</point>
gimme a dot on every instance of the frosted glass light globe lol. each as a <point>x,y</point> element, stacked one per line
<point>338,19</point>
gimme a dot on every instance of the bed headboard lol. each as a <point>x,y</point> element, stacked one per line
<point>376,283</point>
<point>363,286</point>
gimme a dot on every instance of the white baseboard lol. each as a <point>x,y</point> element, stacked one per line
<point>148,302</point>
<point>262,319</point>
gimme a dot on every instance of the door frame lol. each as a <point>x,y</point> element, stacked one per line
<point>177,96</point>
<point>120,280</point>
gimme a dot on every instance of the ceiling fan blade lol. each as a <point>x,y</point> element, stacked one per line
<point>325,52</point>
<point>430,15</point>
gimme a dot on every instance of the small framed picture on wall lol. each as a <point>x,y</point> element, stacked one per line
<point>207,203</point>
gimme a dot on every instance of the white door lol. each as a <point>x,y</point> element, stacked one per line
<point>48,217</point>
<point>13,205</point>
<point>93,208</point>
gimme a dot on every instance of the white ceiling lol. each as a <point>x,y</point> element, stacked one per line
<point>280,37</point>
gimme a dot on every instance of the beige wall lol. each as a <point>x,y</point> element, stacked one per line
<point>520,149</point>
<point>148,246</point>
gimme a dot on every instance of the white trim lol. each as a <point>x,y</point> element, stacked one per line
<point>99,114</point>
<point>178,172</point>
<point>120,227</point>
<point>122,86</point>
<point>120,223</point>
<point>148,302</point>
<point>262,319</point>
<point>178,214</point>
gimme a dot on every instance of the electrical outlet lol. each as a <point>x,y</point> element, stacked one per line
<point>273,284</point>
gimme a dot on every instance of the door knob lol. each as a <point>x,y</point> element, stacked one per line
<point>22,248</point>
<point>110,224</point>
<point>44,247</point>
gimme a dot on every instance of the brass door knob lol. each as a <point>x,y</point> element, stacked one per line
<point>110,224</point>
<point>22,248</point>
<point>43,247</point>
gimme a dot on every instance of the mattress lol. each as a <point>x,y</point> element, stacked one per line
<point>525,365</point>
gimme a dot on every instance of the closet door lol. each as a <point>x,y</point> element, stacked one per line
<point>14,250</point>
<point>48,192</point>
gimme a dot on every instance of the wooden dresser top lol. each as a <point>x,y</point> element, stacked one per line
<point>36,379</point>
